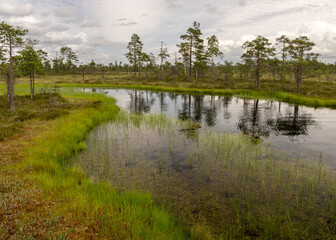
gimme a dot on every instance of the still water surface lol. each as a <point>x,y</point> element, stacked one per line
<point>204,174</point>
<point>296,131</point>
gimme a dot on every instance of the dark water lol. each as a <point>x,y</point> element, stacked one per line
<point>201,173</point>
<point>296,131</point>
<point>197,175</point>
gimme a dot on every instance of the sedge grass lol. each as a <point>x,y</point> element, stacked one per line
<point>225,187</point>
<point>265,197</point>
<point>98,207</point>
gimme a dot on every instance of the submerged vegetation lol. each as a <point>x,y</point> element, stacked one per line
<point>225,186</point>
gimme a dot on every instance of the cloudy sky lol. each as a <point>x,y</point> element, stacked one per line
<point>100,29</point>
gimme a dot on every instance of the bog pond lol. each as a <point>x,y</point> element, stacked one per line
<point>254,166</point>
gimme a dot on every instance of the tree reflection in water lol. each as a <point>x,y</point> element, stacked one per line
<point>140,101</point>
<point>255,119</point>
<point>294,124</point>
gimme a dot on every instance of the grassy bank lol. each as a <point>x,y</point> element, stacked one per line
<point>279,96</point>
<point>68,204</point>
<point>252,194</point>
<point>314,93</point>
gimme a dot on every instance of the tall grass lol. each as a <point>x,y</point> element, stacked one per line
<point>260,197</point>
<point>97,206</point>
<point>226,187</point>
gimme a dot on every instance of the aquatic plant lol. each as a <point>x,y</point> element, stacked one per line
<point>225,184</point>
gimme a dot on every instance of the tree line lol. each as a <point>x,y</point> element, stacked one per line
<point>197,58</point>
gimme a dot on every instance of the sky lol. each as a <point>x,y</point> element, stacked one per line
<point>99,30</point>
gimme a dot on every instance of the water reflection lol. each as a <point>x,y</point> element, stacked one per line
<point>141,102</point>
<point>251,121</point>
<point>262,122</point>
<point>294,124</point>
<point>295,130</point>
<point>254,120</point>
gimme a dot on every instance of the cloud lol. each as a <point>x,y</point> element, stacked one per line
<point>89,23</point>
<point>323,34</point>
<point>242,3</point>
<point>65,12</point>
<point>213,9</point>
<point>19,11</point>
<point>59,28</point>
<point>227,45</point>
<point>127,24</point>
<point>101,41</point>
<point>64,38</point>
<point>243,39</point>
<point>103,27</point>
<point>173,4</point>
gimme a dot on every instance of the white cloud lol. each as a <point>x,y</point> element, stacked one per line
<point>59,28</point>
<point>173,4</point>
<point>7,9</point>
<point>100,29</point>
<point>323,34</point>
<point>64,38</point>
<point>65,11</point>
<point>90,23</point>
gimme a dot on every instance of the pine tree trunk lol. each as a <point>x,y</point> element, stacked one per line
<point>274,74</point>
<point>33,92</point>
<point>282,68</point>
<point>11,79</point>
<point>31,85</point>
<point>7,80</point>
<point>146,74</point>
<point>298,80</point>
<point>190,60</point>
<point>161,73</point>
<point>258,77</point>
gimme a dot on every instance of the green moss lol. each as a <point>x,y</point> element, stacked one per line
<point>98,205</point>
<point>43,107</point>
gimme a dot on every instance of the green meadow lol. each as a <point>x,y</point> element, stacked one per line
<point>254,194</point>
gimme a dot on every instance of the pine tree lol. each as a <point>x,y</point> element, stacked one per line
<point>258,51</point>
<point>11,37</point>
<point>30,64</point>
<point>299,50</point>
<point>283,42</point>
<point>163,55</point>
<point>213,51</point>
<point>192,45</point>
<point>135,52</point>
